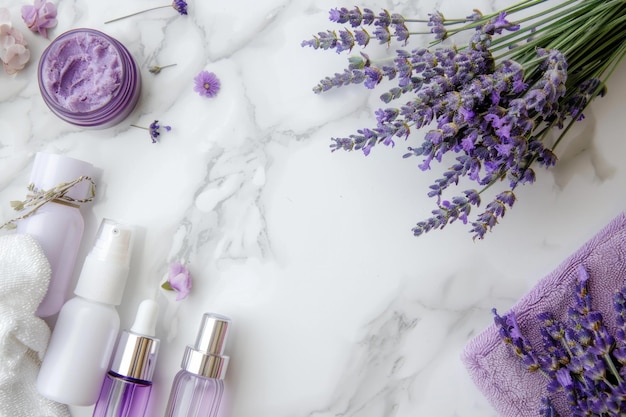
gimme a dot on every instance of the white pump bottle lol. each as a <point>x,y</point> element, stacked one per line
<point>81,345</point>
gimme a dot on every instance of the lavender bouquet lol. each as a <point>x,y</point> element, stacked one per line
<point>489,104</point>
<point>580,357</point>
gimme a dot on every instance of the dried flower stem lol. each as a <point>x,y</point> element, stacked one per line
<point>136,13</point>
<point>155,69</point>
<point>42,197</point>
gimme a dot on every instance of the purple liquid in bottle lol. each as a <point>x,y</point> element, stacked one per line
<point>122,397</point>
<point>195,396</point>
<point>126,388</point>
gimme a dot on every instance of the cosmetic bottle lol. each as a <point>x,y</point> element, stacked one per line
<point>198,387</point>
<point>126,388</point>
<point>80,348</point>
<point>57,225</point>
<point>89,79</point>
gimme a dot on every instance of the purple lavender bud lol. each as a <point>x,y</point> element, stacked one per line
<point>373,76</point>
<point>368,16</point>
<point>535,100</point>
<point>401,32</point>
<point>362,37</point>
<point>339,15</point>
<point>313,43</point>
<point>345,41</point>
<point>383,34</point>
<point>383,19</point>
<point>619,353</point>
<point>397,19</point>
<point>472,197</point>
<point>434,136</point>
<point>498,24</point>
<point>355,17</point>
<point>479,230</point>
<point>387,115</point>
<point>590,86</point>
<point>547,409</point>
<point>619,304</point>
<point>547,158</point>
<point>506,197</point>
<point>475,16</point>
<point>435,18</point>
<point>564,378</point>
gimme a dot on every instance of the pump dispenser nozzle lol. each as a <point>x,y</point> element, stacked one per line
<point>206,357</point>
<point>104,273</point>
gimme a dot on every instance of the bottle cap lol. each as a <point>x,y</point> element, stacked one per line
<point>105,271</point>
<point>50,170</point>
<point>138,348</point>
<point>206,357</point>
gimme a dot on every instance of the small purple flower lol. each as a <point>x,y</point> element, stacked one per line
<point>180,6</point>
<point>206,84</point>
<point>40,17</point>
<point>155,130</point>
<point>179,280</point>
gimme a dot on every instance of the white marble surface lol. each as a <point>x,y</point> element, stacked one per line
<point>338,310</point>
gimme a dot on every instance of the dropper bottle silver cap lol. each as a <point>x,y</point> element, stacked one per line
<point>206,357</point>
<point>138,348</point>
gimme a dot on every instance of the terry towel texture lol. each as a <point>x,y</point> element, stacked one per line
<point>24,279</point>
<point>510,388</point>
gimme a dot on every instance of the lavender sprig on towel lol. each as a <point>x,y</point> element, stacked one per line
<point>579,357</point>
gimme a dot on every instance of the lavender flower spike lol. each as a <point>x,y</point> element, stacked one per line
<point>492,102</point>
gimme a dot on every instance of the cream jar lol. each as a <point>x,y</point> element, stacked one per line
<point>89,79</point>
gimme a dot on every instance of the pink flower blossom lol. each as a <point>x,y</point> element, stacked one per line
<point>178,280</point>
<point>40,17</point>
<point>14,52</point>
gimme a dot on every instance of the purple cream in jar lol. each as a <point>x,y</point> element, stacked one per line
<point>89,79</point>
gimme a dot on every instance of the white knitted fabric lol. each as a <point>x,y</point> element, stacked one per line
<point>24,279</point>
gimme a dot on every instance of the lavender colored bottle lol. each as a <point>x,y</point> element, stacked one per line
<point>127,386</point>
<point>198,388</point>
<point>58,225</point>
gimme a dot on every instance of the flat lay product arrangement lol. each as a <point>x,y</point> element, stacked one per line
<point>186,182</point>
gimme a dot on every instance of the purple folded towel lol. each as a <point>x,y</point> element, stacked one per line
<point>511,389</point>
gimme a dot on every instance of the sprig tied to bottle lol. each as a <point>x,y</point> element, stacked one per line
<point>37,198</point>
<point>490,103</point>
